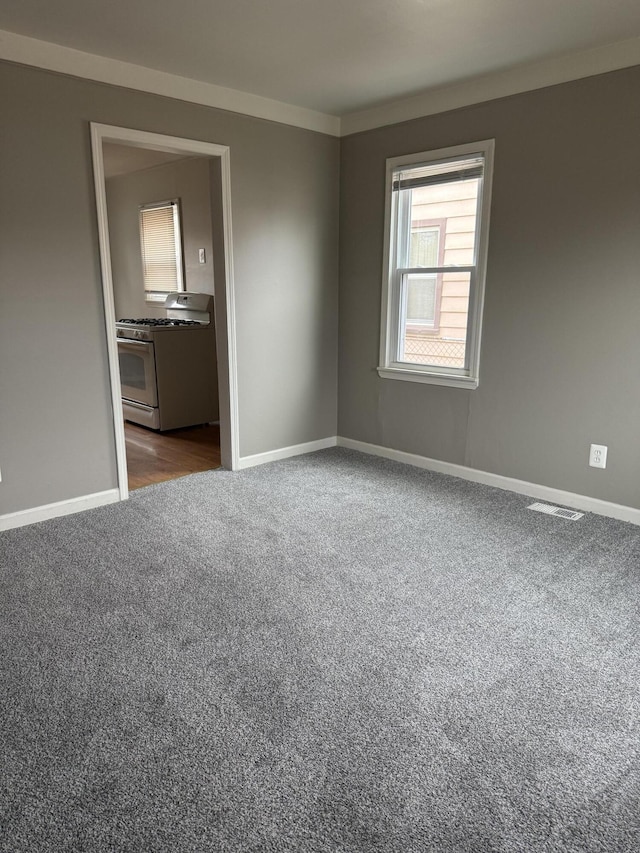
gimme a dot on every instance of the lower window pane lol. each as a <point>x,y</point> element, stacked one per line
<point>437,335</point>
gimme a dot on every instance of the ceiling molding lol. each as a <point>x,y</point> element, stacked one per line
<point>77,63</point>
<point>524,78</point>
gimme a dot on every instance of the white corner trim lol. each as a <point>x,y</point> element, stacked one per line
<point>521,487</point>
<point>488,87</point>
<point>286,452</point>
<point>54,510</point>
<point>66,60</point>
<point>109,309</point>
<point>230,320</point>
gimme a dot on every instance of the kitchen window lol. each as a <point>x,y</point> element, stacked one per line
<point>161,246</point>
<point>437,221</point>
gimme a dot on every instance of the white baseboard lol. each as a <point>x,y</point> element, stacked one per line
<point>286,452</point>
<point>522,487</point>
<point>42,513</point>
<point>534,490</point>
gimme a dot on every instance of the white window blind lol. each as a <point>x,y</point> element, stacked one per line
<point>161,245</point>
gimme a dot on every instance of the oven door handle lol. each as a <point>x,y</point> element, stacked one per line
<point>134,342</point>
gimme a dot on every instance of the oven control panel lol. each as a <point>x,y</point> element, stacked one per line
<point>131,334</point>
<point>190,300</point>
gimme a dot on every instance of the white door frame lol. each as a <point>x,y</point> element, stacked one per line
<point>224,296</point>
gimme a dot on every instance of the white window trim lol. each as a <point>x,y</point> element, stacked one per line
<point>389,367</point>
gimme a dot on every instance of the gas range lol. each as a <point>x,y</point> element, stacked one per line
<point>183,311</point>
<point>142,329</point>
<point>159,321</point>
<point>169,380</point>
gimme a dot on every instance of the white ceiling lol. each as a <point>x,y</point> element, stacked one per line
<point>332,56</point>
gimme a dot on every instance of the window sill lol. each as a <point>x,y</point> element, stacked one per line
<point>408,375</point>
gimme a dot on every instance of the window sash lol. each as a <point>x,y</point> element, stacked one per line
<point>399,296</point>
<point>401,205</point>
<point>401,202</point>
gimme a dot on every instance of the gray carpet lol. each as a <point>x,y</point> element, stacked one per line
<point>329,653</point>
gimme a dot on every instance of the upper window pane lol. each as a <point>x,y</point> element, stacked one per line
<point>456,204</point>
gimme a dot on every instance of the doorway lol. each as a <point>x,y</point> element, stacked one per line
<point>180,452</point>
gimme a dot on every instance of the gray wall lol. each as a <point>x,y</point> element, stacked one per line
<point>56,438</point>
<point>560,364</point>
<point>187,180</point>
<point>561,348</point>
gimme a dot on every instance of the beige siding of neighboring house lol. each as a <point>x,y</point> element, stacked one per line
<point>454,205</point>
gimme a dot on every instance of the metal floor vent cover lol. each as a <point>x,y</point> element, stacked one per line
<point>569,514</point>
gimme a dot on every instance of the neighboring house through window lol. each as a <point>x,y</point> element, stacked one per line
<point>437,221</point>
<point>161,245</point>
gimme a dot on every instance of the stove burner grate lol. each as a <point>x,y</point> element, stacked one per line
<point>159,321</point>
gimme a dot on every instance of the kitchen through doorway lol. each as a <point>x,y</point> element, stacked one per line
<point>158,443</point>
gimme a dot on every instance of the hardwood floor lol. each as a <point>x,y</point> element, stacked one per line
<point>153,457</point>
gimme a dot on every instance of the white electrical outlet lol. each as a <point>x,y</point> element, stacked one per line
<point>598,456</point>
<point>202,256</point>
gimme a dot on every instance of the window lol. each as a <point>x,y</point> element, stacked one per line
<point>437,221</point>
<point>161,245</point>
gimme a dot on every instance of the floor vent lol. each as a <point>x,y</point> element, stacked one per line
<point>569,514</point>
